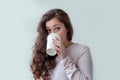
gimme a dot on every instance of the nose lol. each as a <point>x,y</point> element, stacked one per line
<point>52,31</point>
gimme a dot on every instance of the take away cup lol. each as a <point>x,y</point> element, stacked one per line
<point>50,45</point>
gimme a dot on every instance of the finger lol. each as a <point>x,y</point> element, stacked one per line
<point>57,49</point>
<point>60,52</point>
<point>57,38</point>
<point>57,43</point>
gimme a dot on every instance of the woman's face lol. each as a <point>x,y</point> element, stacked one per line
<point>55,26</point>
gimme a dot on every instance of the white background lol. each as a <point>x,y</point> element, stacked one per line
<point>96,23</point>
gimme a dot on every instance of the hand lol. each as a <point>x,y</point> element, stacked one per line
<point>60,48</point>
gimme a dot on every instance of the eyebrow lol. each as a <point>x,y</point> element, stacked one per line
<point>53,25</point>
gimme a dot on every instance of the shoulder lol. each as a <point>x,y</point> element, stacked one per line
<point>77,47</point>
<point>77,50</point>
<point>82,48</point>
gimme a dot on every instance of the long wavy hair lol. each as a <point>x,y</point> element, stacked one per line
<point>42,64</point>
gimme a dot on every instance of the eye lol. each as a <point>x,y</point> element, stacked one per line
<point>57,28</point>
<point>48,30</point>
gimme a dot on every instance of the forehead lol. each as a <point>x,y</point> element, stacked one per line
<point>53,22</point>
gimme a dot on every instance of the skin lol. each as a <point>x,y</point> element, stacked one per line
<point>55,26</point>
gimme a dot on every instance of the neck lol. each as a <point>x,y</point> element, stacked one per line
<point>67,43</point>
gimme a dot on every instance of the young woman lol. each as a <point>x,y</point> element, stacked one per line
<point>73,60</point>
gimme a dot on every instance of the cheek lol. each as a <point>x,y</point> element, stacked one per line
<point>63,34</point>
<point>63,37</point>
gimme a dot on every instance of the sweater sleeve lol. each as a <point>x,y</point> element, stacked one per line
<point>83,68</point>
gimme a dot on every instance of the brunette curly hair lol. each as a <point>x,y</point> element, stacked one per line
<point>42,64</point>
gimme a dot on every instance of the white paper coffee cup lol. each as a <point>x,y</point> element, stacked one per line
<point>50,45</point>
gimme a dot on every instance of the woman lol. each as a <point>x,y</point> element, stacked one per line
<point>73,60</point>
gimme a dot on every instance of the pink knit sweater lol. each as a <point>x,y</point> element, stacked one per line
<point>76,66</point>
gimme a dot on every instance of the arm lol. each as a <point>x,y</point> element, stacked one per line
<point>83,70</point>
